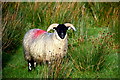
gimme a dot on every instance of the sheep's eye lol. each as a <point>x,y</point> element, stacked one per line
<point>55,28</point>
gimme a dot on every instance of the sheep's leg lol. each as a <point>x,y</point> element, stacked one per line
<point>30,65</point>
<point>35,64</point>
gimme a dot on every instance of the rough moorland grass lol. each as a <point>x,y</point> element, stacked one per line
<point>92,49</point>
<point>96,60</point>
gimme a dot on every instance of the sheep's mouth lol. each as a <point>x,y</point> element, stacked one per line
<point>62,35</point>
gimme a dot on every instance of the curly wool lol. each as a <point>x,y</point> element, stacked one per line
<point>43,46</point>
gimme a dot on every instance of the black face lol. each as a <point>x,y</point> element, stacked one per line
<point>61,30</point>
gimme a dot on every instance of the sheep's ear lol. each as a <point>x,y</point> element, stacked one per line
<point>52,26</point>
<point>70,26</point>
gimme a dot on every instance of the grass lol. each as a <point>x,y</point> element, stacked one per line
<point>81,62</point>
<point>92,49</point>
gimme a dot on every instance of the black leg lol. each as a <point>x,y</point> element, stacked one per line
<point>34,64</point>
<point>31,65</point>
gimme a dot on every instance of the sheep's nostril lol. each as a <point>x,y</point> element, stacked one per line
<point>62,36</point>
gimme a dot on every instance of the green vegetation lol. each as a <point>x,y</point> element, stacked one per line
<point>92,49</point>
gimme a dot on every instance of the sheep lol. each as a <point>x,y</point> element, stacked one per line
<point>41,46</point>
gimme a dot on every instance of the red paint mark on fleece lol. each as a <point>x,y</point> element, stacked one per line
<point>38,32</point>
